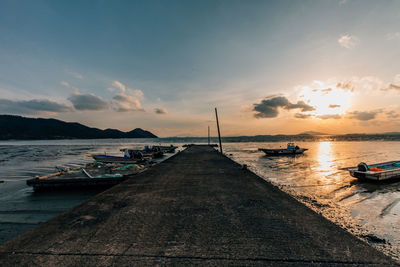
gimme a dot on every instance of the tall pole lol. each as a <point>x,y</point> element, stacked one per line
<point>208,134</point>
<point>219,134</point>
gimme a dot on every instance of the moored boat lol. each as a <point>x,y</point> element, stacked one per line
<point>168,149</point>
<point>291,149</point>
<point>130,155</point>
<point>115,159</point>
<point>153,152</point>
<point>93,175</point>
<point>376,172</point>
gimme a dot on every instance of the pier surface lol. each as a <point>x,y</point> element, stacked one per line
<point>198,207</point>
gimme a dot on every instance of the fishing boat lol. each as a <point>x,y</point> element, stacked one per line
<point>291,149</point>
<point>130,155</point>
<point>168,149</point>
<point>93,175</point>
<point>116,159</point>
<point>376,172</point>
<point>147,152</point>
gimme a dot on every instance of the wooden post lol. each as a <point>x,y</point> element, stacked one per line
<point>208,134</point>
<point>219,134</point>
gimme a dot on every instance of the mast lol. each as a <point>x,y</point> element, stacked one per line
<point>219,134</point>
<point>208,134</point>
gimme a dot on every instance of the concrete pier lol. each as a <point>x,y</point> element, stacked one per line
<point>197,207</point>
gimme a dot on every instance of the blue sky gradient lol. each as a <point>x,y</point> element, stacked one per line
<point>189,56</point>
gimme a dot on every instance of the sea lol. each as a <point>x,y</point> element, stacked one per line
<point>370,211</point>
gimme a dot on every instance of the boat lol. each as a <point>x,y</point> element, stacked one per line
<point>116,159</point>
<point>376,172</point>
<point>168,149</point>
<point>130,155</point>
<point>93,175</point>
<point>291,149</point>
<point>147,152</point>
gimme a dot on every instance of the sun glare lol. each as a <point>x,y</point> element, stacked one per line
<point>330,101</point>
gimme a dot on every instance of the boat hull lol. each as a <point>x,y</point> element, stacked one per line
<point>89,176</point>
<point>282,152</point>
<point>144,153</point>
<point>389,171</point>
<point>168,149</point>
<point>112,159</point>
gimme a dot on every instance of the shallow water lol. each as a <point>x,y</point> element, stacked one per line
<point>20,207</point>
<point>370,211</point>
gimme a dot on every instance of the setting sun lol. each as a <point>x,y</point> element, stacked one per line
<point>327,102</point>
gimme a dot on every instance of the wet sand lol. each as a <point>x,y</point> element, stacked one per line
<point>197,207</point>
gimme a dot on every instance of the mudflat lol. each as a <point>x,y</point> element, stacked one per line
<point>198,207</point>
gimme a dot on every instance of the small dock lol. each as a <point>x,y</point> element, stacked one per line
<point>198,207</point>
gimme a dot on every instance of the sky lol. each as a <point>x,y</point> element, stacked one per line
<point>270,67</point>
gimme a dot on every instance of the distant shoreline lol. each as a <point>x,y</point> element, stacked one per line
<point>233,139</point>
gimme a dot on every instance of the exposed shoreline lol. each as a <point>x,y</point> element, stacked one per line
<point>196,207</point>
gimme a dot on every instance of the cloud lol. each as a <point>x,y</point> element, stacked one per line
<point>31,106</point>
<point>363,115</point>
<point>268,108</point>
<point>136,93</point>
<point>348,41</point>
<point>300,105</point>
<point>391,86</point>
<point>329,116</point>
<point>87,102</point>
<point>334,106</point>
<point>394,85</point>
<point>119,85</point>
<point>160,111</point>
<point>347,86</point>
<point>124,103</point>
<point>302,116</point>
<point>392,114</point>
<point>365,83</point>
<point>66,84</point>
<point>127,100</point>
<point>326,90</point>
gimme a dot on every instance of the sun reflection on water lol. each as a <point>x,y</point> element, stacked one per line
<point>325,167</point>
<point>325,157</point>
<point>317,180</point>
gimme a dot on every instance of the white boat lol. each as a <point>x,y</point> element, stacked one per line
<point>291,149</point>
<point>376,172</point>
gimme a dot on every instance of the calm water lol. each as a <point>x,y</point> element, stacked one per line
<point>370,211</point>
<point>20,207</point>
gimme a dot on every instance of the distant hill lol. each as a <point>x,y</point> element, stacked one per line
<point>392,133</point>
<point>17,127</point>
<point>313,133</point>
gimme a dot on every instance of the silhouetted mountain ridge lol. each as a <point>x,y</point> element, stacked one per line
<point>17,127</point>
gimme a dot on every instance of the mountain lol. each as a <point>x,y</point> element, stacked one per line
<point>17,127</point>
<point>312,133</point>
